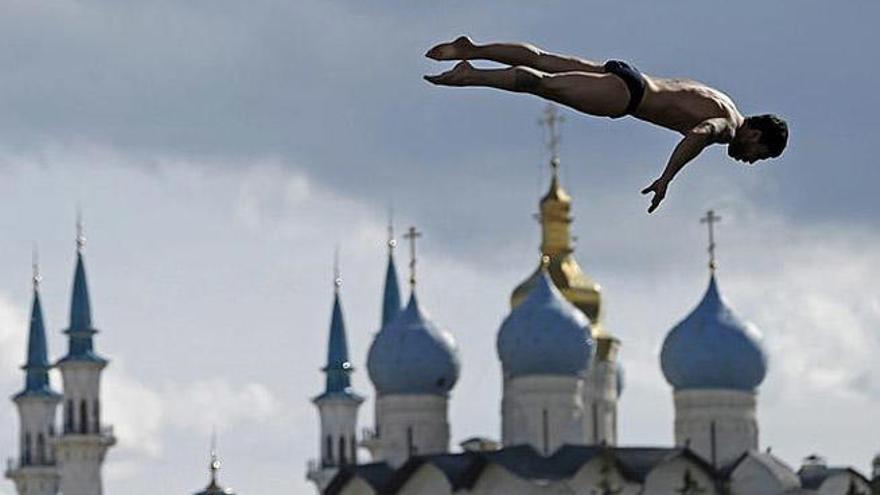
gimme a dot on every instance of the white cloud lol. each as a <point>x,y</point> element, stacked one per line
<point>202,405</point>
<point>136,412</point>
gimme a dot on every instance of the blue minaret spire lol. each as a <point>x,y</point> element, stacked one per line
<point>338,404</point>
<point>391,296</point>
<point>80,330</point>
<point>338,366</point>
<point>37,365</point>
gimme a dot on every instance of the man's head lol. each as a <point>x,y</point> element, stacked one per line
<point>758,138</point>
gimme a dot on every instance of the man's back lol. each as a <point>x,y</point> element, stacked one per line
<point>682,104</point>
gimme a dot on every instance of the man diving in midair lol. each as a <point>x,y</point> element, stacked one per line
<point>704,115</point>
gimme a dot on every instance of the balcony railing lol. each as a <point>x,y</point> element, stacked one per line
<point>13,464</point>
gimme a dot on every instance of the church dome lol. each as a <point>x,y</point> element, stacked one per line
<point>411,355</point>
<point>544,335</point>
<point>712,348</point>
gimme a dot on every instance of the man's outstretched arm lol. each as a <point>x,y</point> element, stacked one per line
<point>697,139</point>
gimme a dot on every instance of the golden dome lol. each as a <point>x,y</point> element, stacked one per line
<point>567,276</point>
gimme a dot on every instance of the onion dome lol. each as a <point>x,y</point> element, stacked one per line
<point>411,355</point>
<point>544,335</point>
<point>712,348</point>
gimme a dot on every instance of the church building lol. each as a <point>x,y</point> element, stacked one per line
<point>561,383</point>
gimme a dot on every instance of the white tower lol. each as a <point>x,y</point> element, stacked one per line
<point>413,364</point>
<point>715,362</point>
<point>35,472</point>
<point>84,440</point>
<point>337,406</point>
<point>545,347</point>
<point>602,388</point>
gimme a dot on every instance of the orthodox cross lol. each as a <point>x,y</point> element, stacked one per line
<point>711,219</point>
<point>550,120</point>
<point>411,235</point>
<point>690,485</point>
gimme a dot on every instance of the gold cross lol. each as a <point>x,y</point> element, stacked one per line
<point>550,120</point>
<point>411,235</point>
<point>711,219</point>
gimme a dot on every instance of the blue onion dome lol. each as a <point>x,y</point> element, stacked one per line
<point>544,335</point>
<point>411,355</point>
<point>712,348</point>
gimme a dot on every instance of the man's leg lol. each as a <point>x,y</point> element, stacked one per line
<point>512,54</point>
<point>602,95</point>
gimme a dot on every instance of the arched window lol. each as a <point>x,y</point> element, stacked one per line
<point>83,417</point>
<point>342,451</point>
<point>545,427</point>
<point>41,449</point>
<point>26,452</point>
<point>68,416</point>
<point>96,411</point>
<point>329,448</point>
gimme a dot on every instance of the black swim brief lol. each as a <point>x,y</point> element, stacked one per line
<point>634,81</point>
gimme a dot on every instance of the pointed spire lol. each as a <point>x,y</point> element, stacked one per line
<point>338,366</point>
<point>37,366</point>
<point>214,487</point>
<point>80,329</point>
<point>391,295</point>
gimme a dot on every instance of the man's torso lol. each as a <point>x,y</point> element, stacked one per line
<point>682,104</point>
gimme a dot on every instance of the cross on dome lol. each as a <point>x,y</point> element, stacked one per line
<point>711,219</point>
<point>411,235</point>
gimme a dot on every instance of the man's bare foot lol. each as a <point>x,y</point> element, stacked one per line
<point>460,49</point>
<point>455,77</point>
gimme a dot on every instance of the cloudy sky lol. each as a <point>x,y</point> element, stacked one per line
<point>220,149</point>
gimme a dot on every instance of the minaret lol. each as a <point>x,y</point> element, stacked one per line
<point>413,364</point>
<point>84,440</point>
<point>715,362</point>
<point>338,404</point>
<point>214,487</point>
<point>35,473</point>
<point>602,381</point>
<point>391,294</point>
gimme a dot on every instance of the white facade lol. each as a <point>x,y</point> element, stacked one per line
<point>35,473</point>
<point>601,394</point>
<point>719,425</point>
<point>409,424</point>
<point>544,411</point>
<point>338,441</point>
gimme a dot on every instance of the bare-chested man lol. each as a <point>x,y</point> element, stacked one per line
<point>704,115</point>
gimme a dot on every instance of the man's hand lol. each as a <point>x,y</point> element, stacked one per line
<point>658,187</point>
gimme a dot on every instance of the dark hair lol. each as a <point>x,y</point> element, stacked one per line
<point>774,132</point>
